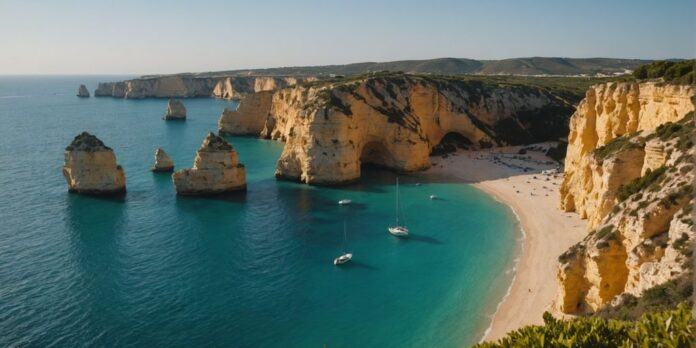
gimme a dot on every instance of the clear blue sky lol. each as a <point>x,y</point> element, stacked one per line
<point>149,36</point>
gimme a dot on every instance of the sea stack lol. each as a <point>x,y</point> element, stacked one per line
<point>215,170</point>
<point>90,167</point>
<point>175,111</point>
<point>162,162</point>
<point>82,92</point>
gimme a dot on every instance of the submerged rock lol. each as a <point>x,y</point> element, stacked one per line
<point>215,170</point>
<point>175,110</point>
<point>82,92</point>
<point>90,167</point>
<point>162,162</point>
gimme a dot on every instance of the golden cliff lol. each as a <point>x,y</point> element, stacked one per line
<point>607,112</point>
<point>630,172</point>
<point>331,128</point>
<point>90,167</point>
<point>216,169</point>
<point>184,86</point>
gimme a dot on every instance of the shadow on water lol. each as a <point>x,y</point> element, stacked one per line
<point>422,239</point>
<point>95,230</point>
<point>358,265</point>
<point>78,199</point>
<point>230,197</point>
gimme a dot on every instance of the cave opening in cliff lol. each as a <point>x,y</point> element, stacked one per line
<point>450,143</point>
<point>375,154</point>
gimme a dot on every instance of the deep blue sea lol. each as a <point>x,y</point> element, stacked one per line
<point>249,270</point>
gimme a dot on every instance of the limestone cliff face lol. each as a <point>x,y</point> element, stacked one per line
<point>82,92</point>
<point>391,120</point>
<point>183,86</point>
<point>90,167</point>
<point>249,118</point>
<point>607,112</point>
<point>162,162</point>
<point>215,170</point>
<point>176,111</point>
<point>642,199</point>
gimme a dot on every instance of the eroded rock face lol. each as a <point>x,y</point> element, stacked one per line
<point>250,116</point>
<point>215,170</point>
<point>187,86</point>
<point>176,111</point>
<point>162,162</point>
<point>90,167</point>
<point>609,111</point>
<point>645,235</point>
<point>82,92</point>
<point>393,120</point>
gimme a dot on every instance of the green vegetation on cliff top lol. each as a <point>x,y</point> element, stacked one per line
<point>679,72</point>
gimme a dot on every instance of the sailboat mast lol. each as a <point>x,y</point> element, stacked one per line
<point>344,236</point>
<point>397,201</point>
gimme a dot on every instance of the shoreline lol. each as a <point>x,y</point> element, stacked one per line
<point>532,196</point>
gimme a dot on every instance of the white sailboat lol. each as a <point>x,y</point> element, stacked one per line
<point>346,256</point>
<point>398,230</point>
<point>345,202</point>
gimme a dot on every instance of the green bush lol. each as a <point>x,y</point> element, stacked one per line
<point>681,72</point>
<point>675,328</point>
<point>638,184</point>
<point>616,145</point>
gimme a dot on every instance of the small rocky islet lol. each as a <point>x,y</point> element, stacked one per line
<point>90,167</point>
<point>176,111</point>
<point>82,92</point>
<point>216,169</point>
<point>163,163</point>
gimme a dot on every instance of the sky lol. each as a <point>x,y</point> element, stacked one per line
<point>157,36</point>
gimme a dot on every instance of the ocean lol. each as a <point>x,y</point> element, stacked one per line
<point>247,270</point>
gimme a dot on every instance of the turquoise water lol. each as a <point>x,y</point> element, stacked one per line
<point>251,270</point>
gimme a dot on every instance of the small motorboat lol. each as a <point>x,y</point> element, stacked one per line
<point>343,259</point>
<point>433,196</point>
<point>345,202</point>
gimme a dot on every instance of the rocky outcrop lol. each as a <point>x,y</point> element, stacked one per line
<point>90,167</point>
<point>609,111</point>
<point>162,162</point>
<point>215,170</point>
<point>184,86</point>
<point>249,118</point>
<point>392,120</point>
<point>176,111</point>
<point>642,200</point>
<point>82,92</point>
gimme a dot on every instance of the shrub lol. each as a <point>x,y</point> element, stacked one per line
<point>638,184</point>
<point>616,145</point>
<point>681,72</point>
<point>673,328</point>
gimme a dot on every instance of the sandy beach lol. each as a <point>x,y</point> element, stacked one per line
<point>533,196</point>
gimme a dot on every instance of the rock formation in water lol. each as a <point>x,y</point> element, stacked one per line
<point>215,170</point>
<point>185,86</point>
<point>162,162</point>
<point>250,116</point>
<point>392,120</point>
<point>630,172</point>
<point>176,111</point>
<point>90,167</point>
<point>82,92</point>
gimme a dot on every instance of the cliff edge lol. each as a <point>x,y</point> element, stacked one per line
<point>393,120</point>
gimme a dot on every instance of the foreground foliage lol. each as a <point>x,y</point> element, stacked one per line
<point>675,328</point>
